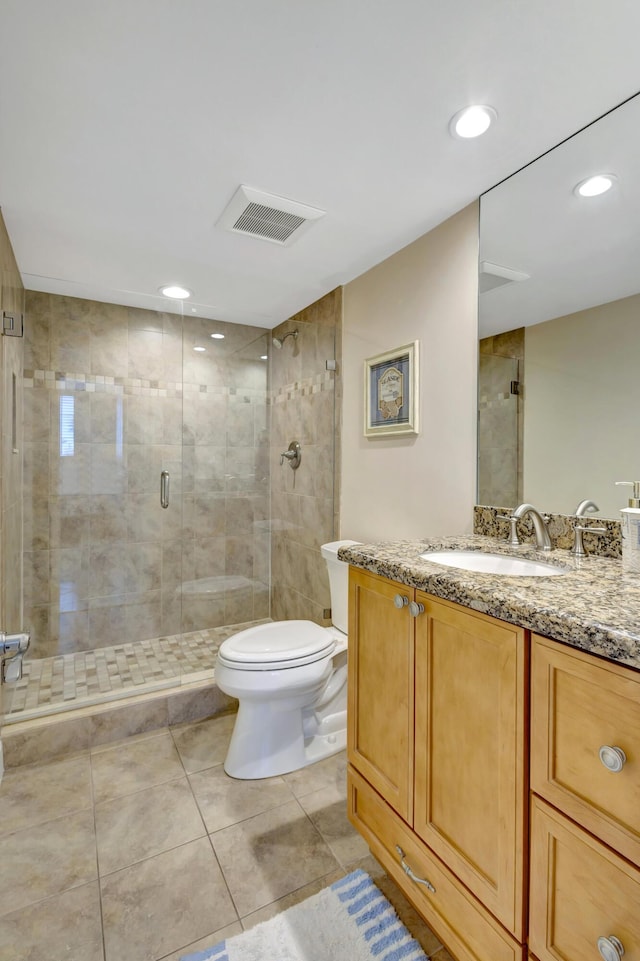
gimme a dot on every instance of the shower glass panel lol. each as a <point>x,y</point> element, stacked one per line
<point>499,427</point>
<point>226,538</point>
<point>102,560</point>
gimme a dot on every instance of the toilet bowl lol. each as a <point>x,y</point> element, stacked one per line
<point>290,680</point>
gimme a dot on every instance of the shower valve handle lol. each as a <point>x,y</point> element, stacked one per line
<point>293,454</point>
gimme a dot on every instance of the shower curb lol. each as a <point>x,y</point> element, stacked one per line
<point>84,728</point>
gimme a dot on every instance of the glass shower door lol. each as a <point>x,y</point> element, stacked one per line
<point>102,557</point>
<point>226,545</point>
<point>499,458</point>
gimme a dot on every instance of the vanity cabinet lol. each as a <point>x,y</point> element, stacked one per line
<point>585,824</point>
<point>380,688</point>
<point>436,749</point>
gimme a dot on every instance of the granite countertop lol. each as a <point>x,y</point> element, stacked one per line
<point>595,606</point>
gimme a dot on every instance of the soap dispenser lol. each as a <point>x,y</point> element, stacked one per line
<point>631,528</point>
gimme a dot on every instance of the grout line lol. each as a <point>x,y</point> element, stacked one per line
<point>95,834</point>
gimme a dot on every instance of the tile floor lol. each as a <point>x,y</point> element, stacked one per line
<point>145,849</point>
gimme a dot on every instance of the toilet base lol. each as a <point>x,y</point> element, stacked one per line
<point>289,740</point>
<point>322,745</point>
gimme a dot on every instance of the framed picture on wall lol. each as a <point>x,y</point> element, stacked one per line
<point>391,392</point>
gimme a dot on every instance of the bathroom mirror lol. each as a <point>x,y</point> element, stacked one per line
<point>559,325</point>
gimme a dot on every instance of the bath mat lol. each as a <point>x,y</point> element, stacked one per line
<point>349,921</point>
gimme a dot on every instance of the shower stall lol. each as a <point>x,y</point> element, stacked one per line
<point>150,444</point>
<point>501,418</point>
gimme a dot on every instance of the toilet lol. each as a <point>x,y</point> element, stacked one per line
<point>290,678</point>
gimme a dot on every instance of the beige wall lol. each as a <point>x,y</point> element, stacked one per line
<point>581,408</point>
<point>303,397</point>
<point>407,487</point>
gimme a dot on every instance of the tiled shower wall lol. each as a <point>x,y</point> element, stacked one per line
<point>108,406</point>
<point>305,399</point>
<point>501,417</point>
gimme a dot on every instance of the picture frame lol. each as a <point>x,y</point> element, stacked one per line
<point>391,382</point>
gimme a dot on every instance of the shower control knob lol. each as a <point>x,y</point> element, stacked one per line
<point>400,601</point>
<point>415,609</point>
<point>293,454</point>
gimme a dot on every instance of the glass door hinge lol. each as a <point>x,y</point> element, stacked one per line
<point>12,324</point>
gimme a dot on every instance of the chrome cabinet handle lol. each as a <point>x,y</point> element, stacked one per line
<point>400,601</point>
<point>611,949</point>
<point>164,488</point>
<point>415,609</point>
<point>613,758</point>
<point>414,877</point>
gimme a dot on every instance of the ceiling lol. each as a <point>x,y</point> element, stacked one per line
<point>126,127</point>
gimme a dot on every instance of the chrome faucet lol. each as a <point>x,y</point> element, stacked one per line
<point>543,541</point>
<point>584,507</point>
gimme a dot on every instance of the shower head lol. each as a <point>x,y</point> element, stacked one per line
<point>279,341</point>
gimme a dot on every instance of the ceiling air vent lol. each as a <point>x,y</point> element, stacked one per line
<point>267,216</point>
<point>495,275</point>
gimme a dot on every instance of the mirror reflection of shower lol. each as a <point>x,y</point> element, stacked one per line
<point>279,341</point>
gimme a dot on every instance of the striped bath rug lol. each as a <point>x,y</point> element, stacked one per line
<point>349,921</point>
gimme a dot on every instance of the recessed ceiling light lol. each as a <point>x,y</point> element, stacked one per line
<point>218,336</point>
<point>472,121</point>
<point>596,185</point>
<point>200,349</point>
<point>264,356</point>
<point>175,291</point>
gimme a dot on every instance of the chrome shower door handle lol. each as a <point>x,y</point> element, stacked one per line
<point>164,488</point>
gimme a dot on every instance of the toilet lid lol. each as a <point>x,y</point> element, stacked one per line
<point>277,645</point>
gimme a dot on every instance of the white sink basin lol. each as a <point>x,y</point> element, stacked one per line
<point>493,563</point>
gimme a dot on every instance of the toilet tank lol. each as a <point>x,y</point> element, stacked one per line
<point>338,583</point>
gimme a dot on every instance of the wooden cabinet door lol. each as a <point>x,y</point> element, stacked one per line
<point>580,704</point>
<point>470,787</point>
<point>380,698</point>
<point>458,919</point>
<point>580,892</point>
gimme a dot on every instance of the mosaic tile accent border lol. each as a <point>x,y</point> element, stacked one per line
<point>303,388</point>
<point>54,684</point>
<point>103,383</point>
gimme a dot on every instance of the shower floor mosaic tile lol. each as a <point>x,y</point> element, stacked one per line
<point>53,684</point>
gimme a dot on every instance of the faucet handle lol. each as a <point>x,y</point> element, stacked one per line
<point>514,540</point>
<point>578,545</point>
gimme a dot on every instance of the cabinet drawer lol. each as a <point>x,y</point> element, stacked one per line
<point>580,891</point>
<point>578,705</point>
<point>467,929</point>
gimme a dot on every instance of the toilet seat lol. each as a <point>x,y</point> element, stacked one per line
<point>278,646</point>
